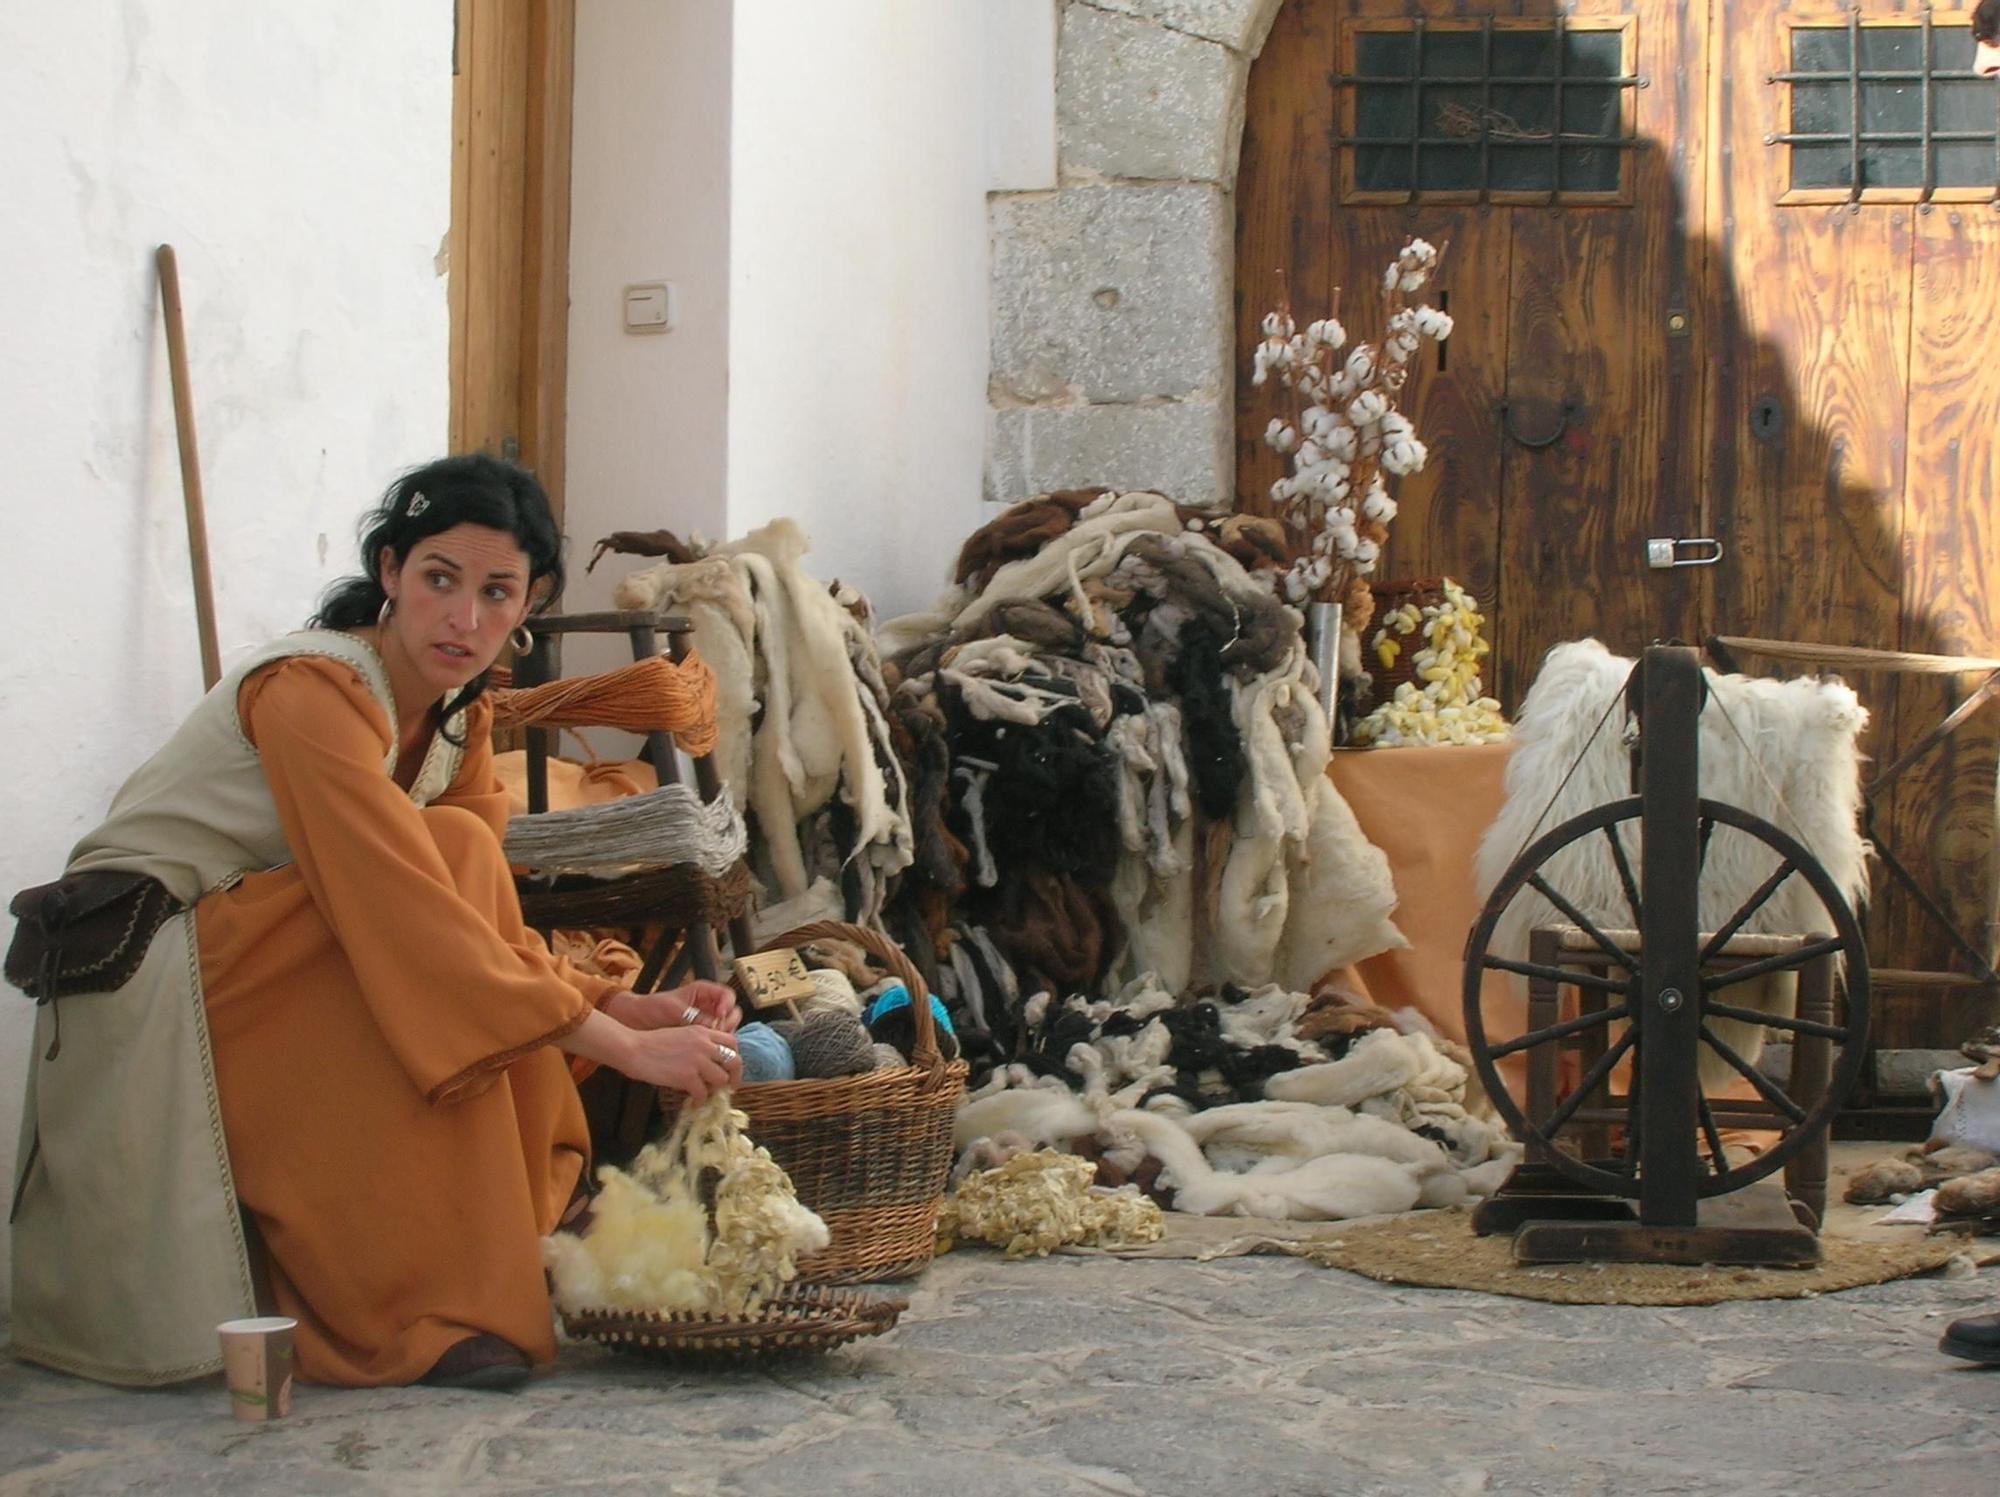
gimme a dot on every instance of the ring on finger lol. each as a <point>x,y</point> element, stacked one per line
<point>690,1014</point>
<point>728,1055</point>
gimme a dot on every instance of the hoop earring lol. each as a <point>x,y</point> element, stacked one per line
<point>522,641</point>
<point>388,609</point>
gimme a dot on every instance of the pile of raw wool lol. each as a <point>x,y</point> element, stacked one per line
<point>1035,1201</point>
<point>1250,1104</point>
<point>651,1243</point>
<point>802,712</point>
<point>1117,762</point>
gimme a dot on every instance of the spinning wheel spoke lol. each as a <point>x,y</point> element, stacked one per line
<point>1812,951</point>
<point>1765,1087</point>
<point>1779,1021</point>
<point>1714,1135</point>
<point>1750,907</point>
<point>1566,1027</point>
<point>1591,1080</point>
<point>1623,988</point>
<point>1701,854</point>
<point>1625,877</point>
<point>1583,922</point>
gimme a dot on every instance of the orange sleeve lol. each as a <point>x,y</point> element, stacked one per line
<point>477,789</point>
<point>458,992</point>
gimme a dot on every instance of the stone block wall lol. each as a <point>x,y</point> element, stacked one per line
<point>1112,293</point>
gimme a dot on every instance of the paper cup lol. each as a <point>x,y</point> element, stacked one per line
<point>257,1365</point>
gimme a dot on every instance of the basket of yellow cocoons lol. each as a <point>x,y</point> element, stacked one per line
<point>692,1254</point>
<point>1425,651</point>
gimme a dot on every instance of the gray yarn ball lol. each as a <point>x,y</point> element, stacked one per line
<point>828,1043</point>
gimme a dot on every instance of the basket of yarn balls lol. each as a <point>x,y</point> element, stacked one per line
<point>854,1095</point>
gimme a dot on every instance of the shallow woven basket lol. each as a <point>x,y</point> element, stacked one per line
<point>802,1318</point>
<point>1425,592</point>
<point>869,1153</point>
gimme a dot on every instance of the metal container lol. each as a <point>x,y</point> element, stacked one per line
<point>1323,644</point>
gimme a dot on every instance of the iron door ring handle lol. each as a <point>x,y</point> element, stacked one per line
<point>1504,410</point>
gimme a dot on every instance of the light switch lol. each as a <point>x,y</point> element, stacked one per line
<point>651,307</point>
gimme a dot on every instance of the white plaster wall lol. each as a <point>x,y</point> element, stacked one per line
<point>858,283</point>
<point>649,201</point>
<point>299,158</point>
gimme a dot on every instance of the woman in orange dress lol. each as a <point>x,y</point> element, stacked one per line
<point>387,1037</point>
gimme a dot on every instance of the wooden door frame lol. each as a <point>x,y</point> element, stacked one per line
<point>513,81</point>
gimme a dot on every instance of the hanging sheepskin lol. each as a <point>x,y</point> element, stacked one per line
<point>801,708</point>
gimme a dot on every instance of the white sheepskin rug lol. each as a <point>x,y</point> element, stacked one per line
<point>1796,764</point>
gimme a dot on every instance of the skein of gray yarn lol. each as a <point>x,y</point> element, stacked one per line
<point>828,1043</point>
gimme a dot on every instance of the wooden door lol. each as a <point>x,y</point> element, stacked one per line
<point>509,245</point>
<point>1746,346</point>
<point>1564,415</point>
<point>1854,410</point>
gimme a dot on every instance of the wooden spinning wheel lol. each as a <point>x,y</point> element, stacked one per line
<point>1657,994</point>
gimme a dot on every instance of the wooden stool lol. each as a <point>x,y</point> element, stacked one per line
<point>1569,947</point>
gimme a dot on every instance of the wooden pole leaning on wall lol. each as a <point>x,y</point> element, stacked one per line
<point>197,523</point>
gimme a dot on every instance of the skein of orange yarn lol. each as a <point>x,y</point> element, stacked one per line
<point>655,695</point>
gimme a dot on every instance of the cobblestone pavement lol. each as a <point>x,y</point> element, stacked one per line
<point>1261,1377</point>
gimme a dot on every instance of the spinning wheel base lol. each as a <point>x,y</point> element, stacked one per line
<point>1555,1221</point>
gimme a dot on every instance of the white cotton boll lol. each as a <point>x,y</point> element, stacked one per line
<point>1360,365</point>
<point>1365,552</point>
<point>1379,507</point>
<point>1434,324</point>
<point>1333,487</point>
<point>1280,436</point>
<point>1404,457</point>
<point>1276,326</point>
<point>1367,408</point>
<point>1309,454</point>
<point>1414,280</point>
<point>1395,426</point>
<point>1342,443</point>
<point>1391,276</point>
<point>1327,332</point>
<point>1341,389</point>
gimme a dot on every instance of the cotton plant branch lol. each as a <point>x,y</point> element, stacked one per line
<point>1347,438</point>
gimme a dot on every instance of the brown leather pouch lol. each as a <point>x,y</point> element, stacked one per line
<point>86,933</point>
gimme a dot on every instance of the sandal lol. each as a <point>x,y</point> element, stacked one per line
<point>484,1362</point>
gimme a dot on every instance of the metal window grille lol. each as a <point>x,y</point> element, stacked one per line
<point>1890,110</point>
<point>1514,111</point>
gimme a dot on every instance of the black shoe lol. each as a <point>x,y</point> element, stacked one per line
<point>485,1363</point>
<point>1975,1338</point>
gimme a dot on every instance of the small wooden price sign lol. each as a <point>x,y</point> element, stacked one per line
<point>769,979</point>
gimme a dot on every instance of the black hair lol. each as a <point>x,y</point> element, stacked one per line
<point>1986,21</point>
<point>471,489</point>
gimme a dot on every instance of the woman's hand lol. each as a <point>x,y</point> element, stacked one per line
<point>688,1057</point>
<point>709,1005</point>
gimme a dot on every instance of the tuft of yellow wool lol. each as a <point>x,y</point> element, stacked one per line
<point>651,1244</point>
<point>1037,1202</point>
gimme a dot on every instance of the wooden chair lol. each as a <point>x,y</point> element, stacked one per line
<point>1571,948</point>
<point>621,1112</point>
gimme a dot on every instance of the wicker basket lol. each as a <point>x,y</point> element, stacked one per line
<point>800,1319</point>
<point>869,1153</point>
<point>1425,592</point>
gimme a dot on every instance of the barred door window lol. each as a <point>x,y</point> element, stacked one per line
<point>1502,110</point>
<point>1887,111</point>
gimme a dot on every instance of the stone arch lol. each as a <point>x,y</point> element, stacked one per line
<point>1113,323</point>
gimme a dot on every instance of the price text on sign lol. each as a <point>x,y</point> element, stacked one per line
<point>771,978</point>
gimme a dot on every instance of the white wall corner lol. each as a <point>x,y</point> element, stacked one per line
<point>1020,103</point>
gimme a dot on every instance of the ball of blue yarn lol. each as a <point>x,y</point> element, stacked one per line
<point>766,1056</point>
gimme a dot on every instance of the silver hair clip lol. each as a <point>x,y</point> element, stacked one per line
<point>419,502</point>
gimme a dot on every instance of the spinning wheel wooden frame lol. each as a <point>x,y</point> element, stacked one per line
<point>1665,990</point>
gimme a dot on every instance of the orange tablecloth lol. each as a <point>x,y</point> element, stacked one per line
<point>1427,808</point>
